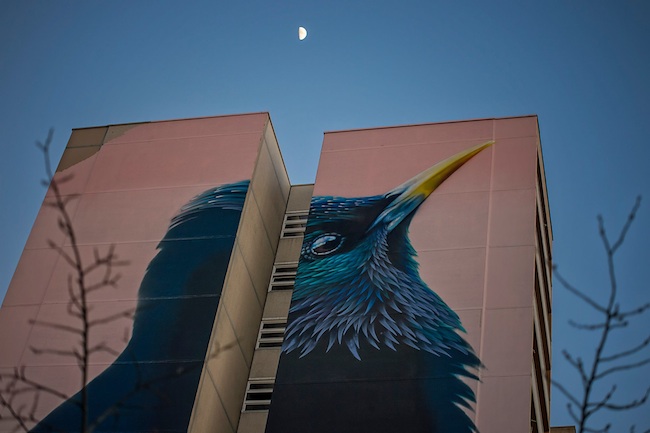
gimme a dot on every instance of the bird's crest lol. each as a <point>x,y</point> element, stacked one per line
<point>230,197</point>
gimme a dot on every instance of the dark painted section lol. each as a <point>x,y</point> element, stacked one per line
<point>152,384</point>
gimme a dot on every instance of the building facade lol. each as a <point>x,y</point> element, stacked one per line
<point>407,289</point>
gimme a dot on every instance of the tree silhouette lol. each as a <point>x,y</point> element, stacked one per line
<point>20,394</point>
<point>596,395</point>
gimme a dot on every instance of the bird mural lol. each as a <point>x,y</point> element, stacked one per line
<point>369,347</point>
<point>151,386</point>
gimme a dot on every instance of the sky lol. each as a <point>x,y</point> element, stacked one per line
<point>581,66</point>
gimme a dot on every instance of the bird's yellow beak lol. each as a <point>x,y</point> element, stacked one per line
<point>410,194</point>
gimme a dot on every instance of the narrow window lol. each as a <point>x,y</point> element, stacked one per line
<point>271,334</point>
<point>283,276</point>
<point>258,395</point>
<point>295,224</point>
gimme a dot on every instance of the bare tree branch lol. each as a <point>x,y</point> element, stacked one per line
<point>582,408</point>
<point>631,405</point>
<point>577,291</point>
<point>623,367</point>
<point>626,227</point>
<point>639,310</point>
<point>596,326</point>
<point>628,352</point>
<point>566,393</point>
<point>57,326</point>
<point>79,286</point>
<point>113,317</point>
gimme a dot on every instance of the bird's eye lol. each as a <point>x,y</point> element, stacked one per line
<point>326,244</point>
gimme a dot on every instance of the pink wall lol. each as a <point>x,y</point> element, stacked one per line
<point>126,194</point>
<point>474,236</point>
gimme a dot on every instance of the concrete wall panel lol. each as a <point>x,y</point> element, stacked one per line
<point>515,163</point>
<point>173,163</point>
<point>15,326</point>
<point>512,218</point>
<point>463,267</point>
<point>227,368</point>
<point>84,137</point>
<point>206,126</point>
<point>28,287</point>
<point>410,134</point>
<point>265,363</point>
<point>277,304</point>
<point>511,277</point>
<point>498,410</point>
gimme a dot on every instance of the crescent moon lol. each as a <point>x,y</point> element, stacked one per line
<point>302,33</point>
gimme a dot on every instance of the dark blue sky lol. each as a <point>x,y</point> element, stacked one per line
<point>582,66</point>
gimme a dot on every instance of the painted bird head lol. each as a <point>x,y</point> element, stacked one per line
<point>358,283</point>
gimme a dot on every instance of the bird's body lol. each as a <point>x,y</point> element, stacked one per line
<point>152,384</point>
<point>368,346</point>
<point>405,391</point>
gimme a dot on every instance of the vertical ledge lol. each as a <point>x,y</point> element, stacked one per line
<point>265,360</point>
<point>244,293</point>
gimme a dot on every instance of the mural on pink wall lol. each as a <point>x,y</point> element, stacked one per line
<point>151,386</point>
<point>369,346</point>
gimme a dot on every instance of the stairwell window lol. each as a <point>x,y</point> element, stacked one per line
<point>271,334</point>
<point>258,395</point>
<point>295,224</point>
<point>283,276</point>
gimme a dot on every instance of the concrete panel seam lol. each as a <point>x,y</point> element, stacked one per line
<point>277,175</point>
<point>266,231</point>
<point>418,143</point>
<point>184,137</point>
<point>241,349</point>
<point>485,273</point>
<point>250,278</point>
<point>223,407</point>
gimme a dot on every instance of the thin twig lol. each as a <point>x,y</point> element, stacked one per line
<point>612,319</point>
<point>78,288</point>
